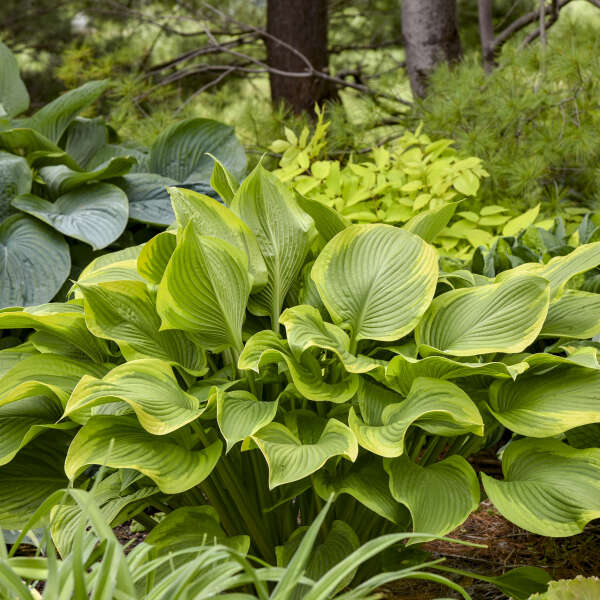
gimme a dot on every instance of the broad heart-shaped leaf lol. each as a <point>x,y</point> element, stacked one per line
<point>124,311</point>
<point>205,289</point>
<point>367,482</point>
<point>439,497</point>
<point>148,386</point>
<point>376,280</point>
<point>119,442</point>
<point>95,214</point>
<point>575,314</point>
<point>266,348</point>
<point>305,328</point>
<point>501,317</point>
<point>190,526</point>
<point>282,230</point>
<point>155,256</point>
<point>43,461</point>
<point>436,406</point>
<point>429,224</point>
<point>84,138</point>
<point>549,488</point>
<point>16,178</point>
<point>52,120</point>
<point>149,200</point>
<point>223,182</point>
<point>290,460</point>
<point>14,98</point>
<point>181,152</point>
<point>547,404</point>
<point>327,221</point>
<point>60,179</point>
<point>212,218</point>
<point>35,262</point>
<point>240,414</point>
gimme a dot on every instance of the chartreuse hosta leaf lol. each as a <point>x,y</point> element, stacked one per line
<point>328,222</point>
<point>547,404</point>
<point>430,223</point>
<point>580,588</point>
<point>439,497</point>
<point>124,311</point>
<point>290,458</point>
<point>436,406</point>
<point>155,256</point>
<point>120,442</point>
<point>212,218</point>
<point>9,357</point>
<point>282,231</point>
<point>148,386</point>
<point>222,181</point>
<point>376,280</point>
<point>575,314</point>
<point>501,317</point>
<point>266,348</point>
<point>205,290</point>
<point>240,414</point>
<point>305,329</point>
<point>549,488</point>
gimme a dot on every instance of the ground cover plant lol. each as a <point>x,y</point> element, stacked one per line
<point>237,371</point>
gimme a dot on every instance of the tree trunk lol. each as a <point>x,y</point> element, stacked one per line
<point>486,34</point>
<point>430,37</point>
<point>301,25</point>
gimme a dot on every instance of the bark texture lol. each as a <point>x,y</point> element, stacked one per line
<point>301,24</point>
<point>486,34</point>
<point>430,36</point>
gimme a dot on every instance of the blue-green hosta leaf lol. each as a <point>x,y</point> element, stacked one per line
<point>290,460</point>
<point>501,317</point>
<point>84,138</point>
<point>240,414</point>
<point>15,177</point>
<point>430,223</point>
<point>282,230</point>
<point>53,119</point>
<point>580,588</point>
<point>367,482</point>
<point>327,221</point>
<point>35,262</point>
<point>205,289</point>
<point>14,98</point>
<point>193,526</point>
<point>60,179</point>
<point>548,404</point>
<point>148,386</point>
<point>223,182</point>
<point>125,312</point>
<point>266,348</point>
<point>421,488</point>
<point>62,319</point>
<point>212,218</point>
<point>119,442</point>
<point>182,151</point>
<point>305,329</point>
<point>549,488</point>
<point>27,142</point>
<point>575,314</point>
<point>436,406</point>
<point>376,280</point>
<point>155,256</point>
<point>149,200</point>
<point>95,214</point>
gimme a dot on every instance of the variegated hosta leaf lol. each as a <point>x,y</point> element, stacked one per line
<point>155,256</point>
<point>328,222</point>
<point>436,406</point>
<point>439,497</point>
<point>547,404</point>
<point>124,311</point>
<point>266,348</point>
<point>549,488</point>
<point>367,482</point>
<point>290,460</point>
<point>575,314</point>
<point>212,218</point>
<point>190,526</point>
<point>205,290</point>
<point>9,357</point>
<point>120,442</point>
<point>282,231</point>
<point>305,329</point>
<point>502,317</point>
<point>223,182</point>
<point>65,320</point>
<point>580,588</point>
<point>148,386</point>
<point>585,356</point>
<point>240,414</point>
<point>430,223</point>
<point>376,280</point>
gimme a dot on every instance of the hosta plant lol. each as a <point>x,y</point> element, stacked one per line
<point>67,187</point>
<point>237,371</point>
